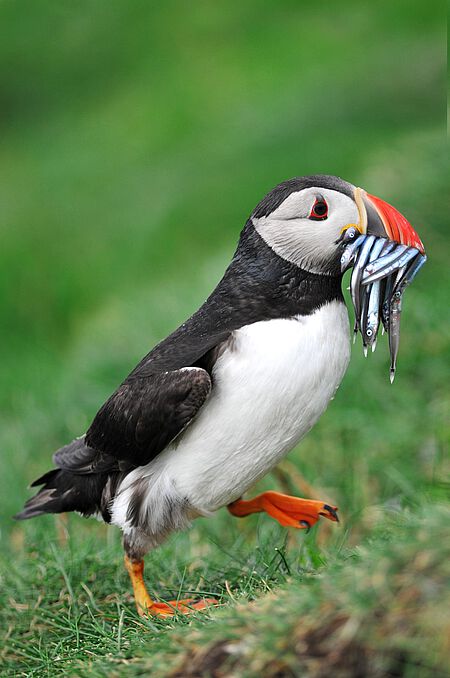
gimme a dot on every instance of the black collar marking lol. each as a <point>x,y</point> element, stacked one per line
<point>257,285</point>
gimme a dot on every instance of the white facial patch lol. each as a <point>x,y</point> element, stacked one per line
<point>308,243</point>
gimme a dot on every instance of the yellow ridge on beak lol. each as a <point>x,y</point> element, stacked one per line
<point>362,226</point>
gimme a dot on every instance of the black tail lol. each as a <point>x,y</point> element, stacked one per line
<point>64,491</point>
<point>84,484</point>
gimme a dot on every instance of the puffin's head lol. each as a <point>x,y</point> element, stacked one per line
<point>303,220</point>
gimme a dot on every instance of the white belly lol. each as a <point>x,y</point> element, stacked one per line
<point>269,389</point>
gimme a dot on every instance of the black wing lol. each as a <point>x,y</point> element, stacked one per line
<point>147,412</point>
<point>77,457</point>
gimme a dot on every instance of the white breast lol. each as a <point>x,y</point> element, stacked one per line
<point>269,389</point>
<point>270,386</point>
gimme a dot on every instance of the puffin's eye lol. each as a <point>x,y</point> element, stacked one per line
<point>319,210</point>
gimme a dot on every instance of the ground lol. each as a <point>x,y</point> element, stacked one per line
<point>135,141</point>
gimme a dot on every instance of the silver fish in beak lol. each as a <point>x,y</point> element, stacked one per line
<point>386,254</point>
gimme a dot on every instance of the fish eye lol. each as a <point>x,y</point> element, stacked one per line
<point>319,210</point>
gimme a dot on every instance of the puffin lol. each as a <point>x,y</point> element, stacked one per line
<point>219,402</point>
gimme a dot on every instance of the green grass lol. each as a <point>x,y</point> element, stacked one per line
<point>380,606</point>
<point>135,141</point>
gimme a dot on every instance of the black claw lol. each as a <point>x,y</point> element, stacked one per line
<point>304,523</point>
<point>331,510</point>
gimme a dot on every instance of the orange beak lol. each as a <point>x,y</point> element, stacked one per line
<point>379,218</point>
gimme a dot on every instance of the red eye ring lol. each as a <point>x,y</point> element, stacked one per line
<point>319,210</point>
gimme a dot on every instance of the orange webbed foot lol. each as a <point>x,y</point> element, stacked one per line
<point>288,511</point>
<point>145,605</point>
<point>180,606</point>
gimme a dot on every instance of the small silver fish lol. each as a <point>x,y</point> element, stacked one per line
<point>410,272</point>
<point>373,315</point>
<point>384,260</point>
<point>381,271</point>
<point>386,303</point>
<point>394,331</point>
<point>350,251</point>
<point>355,282</point>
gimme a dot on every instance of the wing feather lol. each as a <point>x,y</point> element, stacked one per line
<point>147,412</point>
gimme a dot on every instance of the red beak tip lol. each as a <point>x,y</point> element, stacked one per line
<point>397,227</point>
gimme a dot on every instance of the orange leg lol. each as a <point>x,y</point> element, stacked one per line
<point>288,511</point>
<point>146,605</point>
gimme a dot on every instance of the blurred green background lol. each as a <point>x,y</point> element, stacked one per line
<point>136,137</point>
